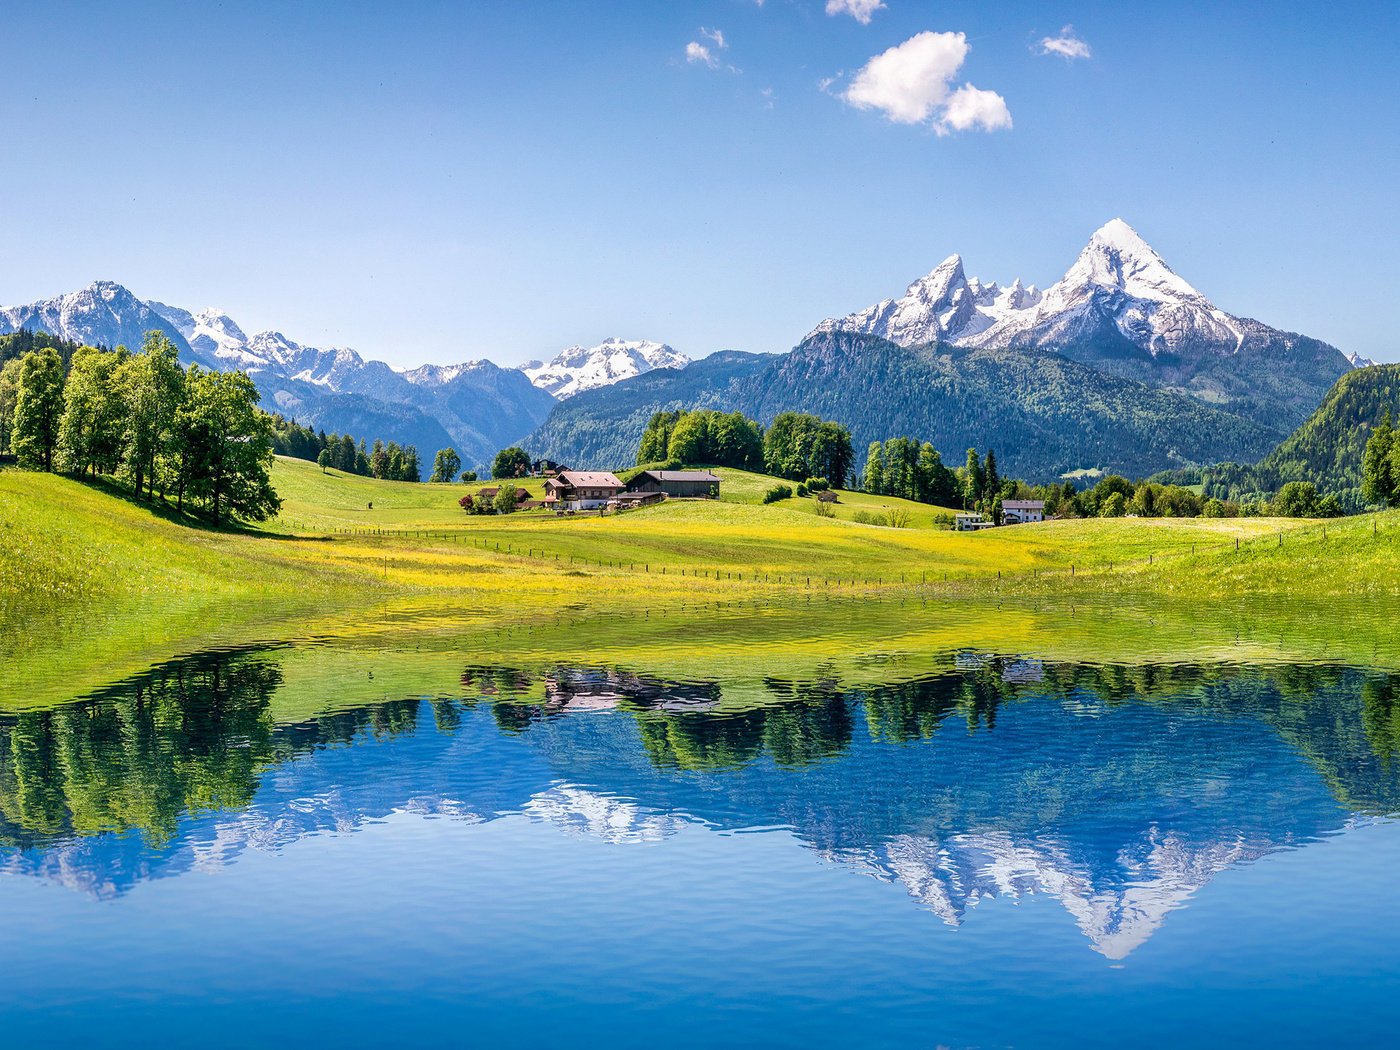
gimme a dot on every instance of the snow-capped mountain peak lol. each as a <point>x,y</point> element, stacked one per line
<point>1118,294</point>
<point>579,368</point>
<point>1117,259</point>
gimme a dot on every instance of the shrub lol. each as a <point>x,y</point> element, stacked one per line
<point>863,517</point>
<point>777,492</point>
<point>801,489</point>
<point>817,484</point>
<point>897,518</point>
<point>467,504</point>
<point>942,520</point>
<point>1213,509</point>
<point>825,510</point>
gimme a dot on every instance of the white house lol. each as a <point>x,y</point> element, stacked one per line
<point>1022,511</point>
<point>581,489</point>
<point>966,521</point>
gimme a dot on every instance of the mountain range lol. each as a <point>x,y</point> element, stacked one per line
<point>476,407</point>
<point>1120,365</point>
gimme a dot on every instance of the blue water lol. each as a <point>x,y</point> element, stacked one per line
<point>1004,853</point>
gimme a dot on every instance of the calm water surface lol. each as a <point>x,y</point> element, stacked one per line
<point>326,844</point>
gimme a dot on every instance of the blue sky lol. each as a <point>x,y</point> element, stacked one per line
<point>438,182</point>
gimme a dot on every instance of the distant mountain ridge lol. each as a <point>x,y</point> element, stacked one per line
<point>476,407</point>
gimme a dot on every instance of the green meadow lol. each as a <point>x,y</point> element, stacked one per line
<point>94,585</point>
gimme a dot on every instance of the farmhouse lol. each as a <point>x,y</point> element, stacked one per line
<point>581,489</point>
<point>1022,511</point>
<point>966,521</point>
<point>677,484</point>
<point>545,467</point>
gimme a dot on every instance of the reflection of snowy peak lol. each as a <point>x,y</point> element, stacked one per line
<point>1117,911</point>
<point>582,368</point>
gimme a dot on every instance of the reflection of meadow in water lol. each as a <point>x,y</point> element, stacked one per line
<point>1118,791</point>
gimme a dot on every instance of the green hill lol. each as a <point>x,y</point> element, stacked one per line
<point>1326,449</point>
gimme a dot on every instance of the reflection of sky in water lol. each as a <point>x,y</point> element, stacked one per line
<point>1114,796</point>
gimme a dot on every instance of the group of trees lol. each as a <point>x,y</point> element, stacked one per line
<point>197,435</point>
<point>721,439</point>
<point>1115,497</point>
<point>909,469</point>
<point>800,446</point>
<point>796,446</point>
<point>385,462</point>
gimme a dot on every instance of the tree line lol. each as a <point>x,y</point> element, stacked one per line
<point>191,434</point>
<point>797,445</point>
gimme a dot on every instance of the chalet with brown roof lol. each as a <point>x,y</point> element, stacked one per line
<point>581,489</point>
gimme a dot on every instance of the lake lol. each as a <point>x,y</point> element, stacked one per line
<point>756,826</point>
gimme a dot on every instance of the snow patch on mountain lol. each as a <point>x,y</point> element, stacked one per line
<point>580,368</point>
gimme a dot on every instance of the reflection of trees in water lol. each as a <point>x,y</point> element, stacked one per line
<point>195,735</point>
<point>191,737</point>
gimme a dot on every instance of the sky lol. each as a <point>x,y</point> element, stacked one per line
<point>450,181</point>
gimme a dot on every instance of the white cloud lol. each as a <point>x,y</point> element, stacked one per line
<point>697,52</point>
<point>1067,45</point>
<point>970,107</point>
<point>716,36</point>
<point>861,10</point>
<point>912,83</point>
<point>910,80</point>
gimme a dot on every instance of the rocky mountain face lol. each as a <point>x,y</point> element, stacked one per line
<point>580,368</point>
<point>1122,309</point>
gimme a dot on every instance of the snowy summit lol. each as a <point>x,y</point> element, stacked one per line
<point>1118,288</point>
<point>581,368</point>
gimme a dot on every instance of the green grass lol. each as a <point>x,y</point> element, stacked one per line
<point>92,584</point>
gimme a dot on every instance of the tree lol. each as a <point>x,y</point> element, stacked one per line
<point>511,462</point>
<point>1213,508</point>
<point>226,446</point>
<point>409,471</point>
<point>1113,506</point>
<point>153,387</point>
<point>93,423</point>
<point>505,500</point>
<point>468,476</point>
<point>446,465</point>
<point>38,409</point>
<point>1380,482</point>
<point>324,460</point>
<point>9,389</point>
<point>691,440</point>
<point>874,479</point>
<point>973,479</point>
<point>1297,499</point>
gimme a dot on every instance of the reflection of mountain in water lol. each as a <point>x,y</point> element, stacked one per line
<point>1120,792</point>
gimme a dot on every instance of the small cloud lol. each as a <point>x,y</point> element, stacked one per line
<point>969,107</point>
<point>1067,45</point>
<point>768,97</point>
<point>707,55</point>
<point>861,10</point>
<point>912,83</point>
<point>698,53</point>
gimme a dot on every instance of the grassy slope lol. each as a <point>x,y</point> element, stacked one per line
<point>92,585</point>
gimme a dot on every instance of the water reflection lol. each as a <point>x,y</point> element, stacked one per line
<point>1119,791</point>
